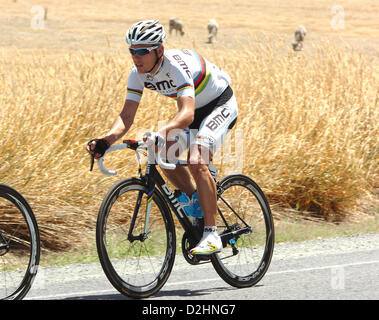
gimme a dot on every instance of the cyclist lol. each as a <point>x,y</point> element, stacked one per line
<point>207,110</point>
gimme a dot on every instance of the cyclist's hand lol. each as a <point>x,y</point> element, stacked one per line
<point>154,138</point>
<point>97,147</point>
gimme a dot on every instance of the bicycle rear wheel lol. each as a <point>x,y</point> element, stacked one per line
<point>19,245</point>
<point>139,263</point>
<point>246,229</point>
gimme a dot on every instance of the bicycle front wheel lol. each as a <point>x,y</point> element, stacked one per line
<point>247,230</point>
<point>19,245</point>
<point>137,255</point>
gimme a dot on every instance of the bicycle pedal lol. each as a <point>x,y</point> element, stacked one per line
<point>202,257</point>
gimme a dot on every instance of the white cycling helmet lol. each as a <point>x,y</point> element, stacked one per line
<point>146,32</point>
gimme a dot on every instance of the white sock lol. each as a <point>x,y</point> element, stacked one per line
<point>210,229</point>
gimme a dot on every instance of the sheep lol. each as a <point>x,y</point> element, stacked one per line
<point>212,30</point>
<point>177,25</point>
<point>300,34</point>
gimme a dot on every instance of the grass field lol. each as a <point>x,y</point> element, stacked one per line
<point>308,119</point>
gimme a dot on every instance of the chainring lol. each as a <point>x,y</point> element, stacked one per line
<point>187,244</point>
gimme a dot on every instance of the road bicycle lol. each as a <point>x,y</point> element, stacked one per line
<point>136,235</point>
<point>19,245</point>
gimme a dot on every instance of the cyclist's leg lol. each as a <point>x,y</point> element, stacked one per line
<point>181,179</point>
<point>199,159</point>
<point>180,176</point>
<point>217,125</point>
<point>209,138</point>
<point>207,141</point>
<point>206,190</point>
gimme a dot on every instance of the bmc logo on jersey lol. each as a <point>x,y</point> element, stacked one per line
<point>160,85</point>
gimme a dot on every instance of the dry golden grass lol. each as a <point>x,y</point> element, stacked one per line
<point>309,119</point>
<point>314,134</point>
<point>309,124</point>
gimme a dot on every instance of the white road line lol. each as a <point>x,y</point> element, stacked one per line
<point>74,294</point>
<point>110,291</point>
<point>325,267</point>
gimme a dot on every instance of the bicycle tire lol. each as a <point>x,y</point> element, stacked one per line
<point>124,263</point>
<point>19,263</point>
<point>255,249</point>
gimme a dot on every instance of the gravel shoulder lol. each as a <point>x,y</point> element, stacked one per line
<point>282,251</point>
<point>358,242</point>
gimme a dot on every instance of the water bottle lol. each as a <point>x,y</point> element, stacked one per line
<point>197,212</point>
<point>186,204</point>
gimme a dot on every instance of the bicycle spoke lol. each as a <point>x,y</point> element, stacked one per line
<point>19,256</point>
<point>246,232</point>
<point>138,262</point>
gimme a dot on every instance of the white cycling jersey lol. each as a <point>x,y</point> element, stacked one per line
<point>182,73</point>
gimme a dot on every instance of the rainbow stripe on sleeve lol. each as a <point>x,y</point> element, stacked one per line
<point>173,95</point>
<point>202,79</point>
<point>183,86</point>
<point>180,88</point>
<point>135,91</point>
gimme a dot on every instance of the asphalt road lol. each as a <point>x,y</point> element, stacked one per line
<point>344,268</point>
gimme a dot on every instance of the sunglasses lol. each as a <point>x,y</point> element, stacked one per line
<point>142,51</point>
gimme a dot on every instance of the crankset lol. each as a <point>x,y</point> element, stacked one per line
<point>187,244</point>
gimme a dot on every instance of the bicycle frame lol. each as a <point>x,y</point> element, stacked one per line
<point>153,179</point>
<point>241,271</point>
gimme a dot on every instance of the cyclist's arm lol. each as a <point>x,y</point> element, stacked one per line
<point>123,122</point>
<point>185,100</point>
<point>185,116</point>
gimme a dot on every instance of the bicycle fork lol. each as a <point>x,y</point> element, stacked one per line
<point>142,236</point>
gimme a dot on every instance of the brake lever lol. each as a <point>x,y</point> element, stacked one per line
<point>92,161</point>
<point>92,155</point>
